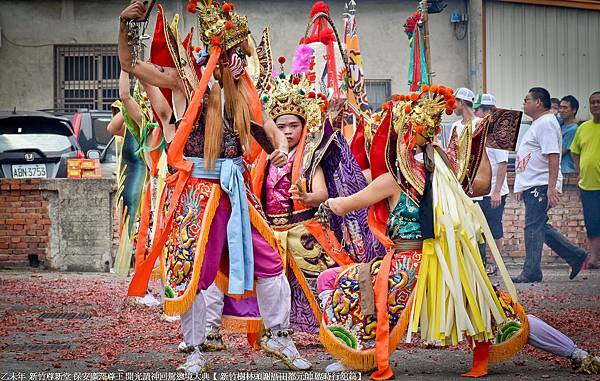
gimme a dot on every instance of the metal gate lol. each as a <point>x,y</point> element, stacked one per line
<point>86,76</point>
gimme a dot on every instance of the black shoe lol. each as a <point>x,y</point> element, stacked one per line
<point>576,267</point>
<point>522,279</point>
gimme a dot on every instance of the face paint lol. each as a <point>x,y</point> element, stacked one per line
<point>237,62</point>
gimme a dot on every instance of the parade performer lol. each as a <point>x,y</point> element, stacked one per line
<point>541,334</point>
<point>139,146</point>
<point>206,205</point>
<point>432,279</point>
<point>320,165</point>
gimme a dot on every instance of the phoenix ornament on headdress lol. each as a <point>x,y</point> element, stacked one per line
<point>219,23</point>
<point>421,113</point>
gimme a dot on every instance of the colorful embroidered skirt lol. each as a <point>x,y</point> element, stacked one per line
<point>193,253</point>
<point>348,333</point>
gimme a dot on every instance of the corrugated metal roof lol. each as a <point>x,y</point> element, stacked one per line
<point>531,45</point>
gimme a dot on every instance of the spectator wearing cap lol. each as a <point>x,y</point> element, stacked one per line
<point>585,150</point>
<point>464,108</point>
<point>484,104</point>
<point>493,204</point>
<point>567,111</point>
<point>538,181</point>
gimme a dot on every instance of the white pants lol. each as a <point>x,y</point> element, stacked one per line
<point>273,295</point>
<point>274,301</point>
<point>193,322</point>
<point>214,306</point>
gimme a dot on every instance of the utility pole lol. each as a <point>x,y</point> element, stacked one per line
<point>425,11</point>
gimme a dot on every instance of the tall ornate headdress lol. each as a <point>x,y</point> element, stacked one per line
<point>220,25</point>
<point>410,118</point>
<point>421,112</point>
<point>293,95</point>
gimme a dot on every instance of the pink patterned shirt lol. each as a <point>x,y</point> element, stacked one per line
<point>279,181</point>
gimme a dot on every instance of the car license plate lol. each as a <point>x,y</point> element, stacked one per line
<point>29,171</point>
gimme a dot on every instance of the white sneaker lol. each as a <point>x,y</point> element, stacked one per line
<point>169,318</point>
<point>280,344</point>
<point>184,348</point>
<point>149,300</point>
<point>336,367</point>
<point>195,363</point>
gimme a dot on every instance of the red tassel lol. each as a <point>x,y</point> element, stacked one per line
<point>319,7</point>
<point>191,7</point>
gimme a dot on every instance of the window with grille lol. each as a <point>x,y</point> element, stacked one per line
<point>86,76</point>
<point>379,91</point>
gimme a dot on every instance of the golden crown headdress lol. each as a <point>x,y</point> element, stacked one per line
<point>421,112</point>
<point>220,25</point>
<point>293,95</point>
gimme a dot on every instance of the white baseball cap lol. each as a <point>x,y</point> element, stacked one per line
<point>484,100</point>
<point>464,94</point>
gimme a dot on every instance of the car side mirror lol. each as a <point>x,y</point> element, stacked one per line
<point>93,154</point>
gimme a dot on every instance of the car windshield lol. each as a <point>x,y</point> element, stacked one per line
<point>42,142</point>
<point>100,124</point>
<point>35,133</point>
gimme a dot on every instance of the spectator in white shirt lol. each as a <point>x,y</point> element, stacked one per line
<point>538,181</point>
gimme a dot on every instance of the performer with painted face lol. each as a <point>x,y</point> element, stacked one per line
<point>432,279</point>
<point>206,206</point>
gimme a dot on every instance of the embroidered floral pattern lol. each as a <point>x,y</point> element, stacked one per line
<point>180,249</point>
<point>343,314</point>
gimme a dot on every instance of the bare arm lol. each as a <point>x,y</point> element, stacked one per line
<point>553,165</point>
<point>133,109</point>
<point>495,197</point>
<point>279,156</point>
<point>162,109</point>
<point>500,176</point>
<point>275,136</point>
<point>319,190</point>
<point>379,189</point>
<point>150,73</point>
<point>116,126</point>
<point>576,161</point>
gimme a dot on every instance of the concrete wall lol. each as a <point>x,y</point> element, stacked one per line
<point>67,223</point>
<point>30,29</point>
